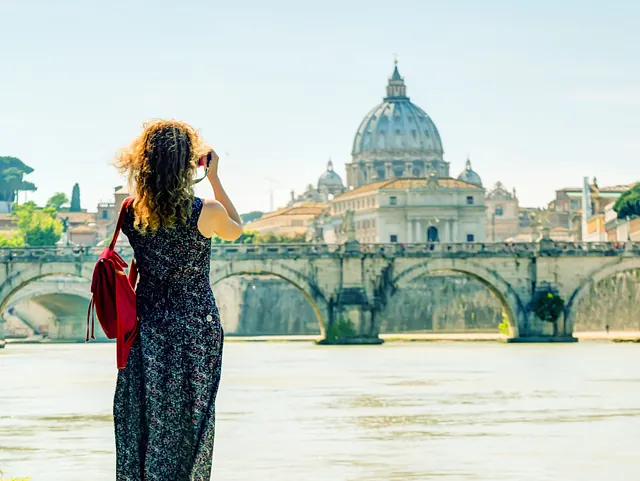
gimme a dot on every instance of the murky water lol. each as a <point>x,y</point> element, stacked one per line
<point>406,411</point>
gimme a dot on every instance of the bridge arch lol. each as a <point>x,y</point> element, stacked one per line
<point>306,286</point>
<point>504,292</point>
<point>591,280</point>
<point>22,274</point>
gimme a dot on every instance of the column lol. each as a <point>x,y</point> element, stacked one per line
<point>417,229</point>
<point>450,233</point>
<point>456,231</point>
<point>388,171</point>
<point>409,233</point>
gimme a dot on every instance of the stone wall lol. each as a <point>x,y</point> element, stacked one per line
<point>263,305</point>
<point>442,303</point>
<point>613,301</point>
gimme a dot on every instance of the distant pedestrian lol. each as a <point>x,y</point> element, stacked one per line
<point>607,328</point>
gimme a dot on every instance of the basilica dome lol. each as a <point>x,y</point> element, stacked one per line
<point>397,126</point>
<point>470,176</point>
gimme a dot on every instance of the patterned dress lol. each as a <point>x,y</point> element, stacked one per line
<point>164,406</point>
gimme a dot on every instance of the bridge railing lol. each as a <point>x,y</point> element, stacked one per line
<point>433,249</point>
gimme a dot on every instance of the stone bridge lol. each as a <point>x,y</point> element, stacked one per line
<point>354,281</point>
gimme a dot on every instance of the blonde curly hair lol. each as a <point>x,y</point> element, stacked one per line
<point>161,164</point>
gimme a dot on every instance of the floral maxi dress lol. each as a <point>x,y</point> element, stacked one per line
<point>164,405</point>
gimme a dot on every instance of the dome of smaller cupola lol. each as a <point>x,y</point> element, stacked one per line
<point>470,176</point>
<point>330,180</point>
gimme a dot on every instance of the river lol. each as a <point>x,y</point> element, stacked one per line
<point>397,412</point>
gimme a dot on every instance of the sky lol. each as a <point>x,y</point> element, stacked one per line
<point>538,93</point>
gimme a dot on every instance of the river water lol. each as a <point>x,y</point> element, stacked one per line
<point>401,411</point>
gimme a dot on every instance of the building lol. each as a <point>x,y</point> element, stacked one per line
<point>620,230</point>
<point>329,185</point>
<point>400,189</point>
<point>105,219</point>
<point>288,221</point>
<point>410,210</point>
<point>503,214</point>
<point>565,211</point>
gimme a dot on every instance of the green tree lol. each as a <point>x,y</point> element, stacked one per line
<point>11,239</point>
<point>57,200</point>
<point>12,172</point>
<point>38,227</point>
<point>548,306</point>
<point>628,204</point>
<point>251,216</point>
<point>253,237</point>
<point>75,199</point>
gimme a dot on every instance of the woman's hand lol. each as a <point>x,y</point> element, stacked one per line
<point>213,166</point>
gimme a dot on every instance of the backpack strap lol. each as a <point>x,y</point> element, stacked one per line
<point>123,213</point>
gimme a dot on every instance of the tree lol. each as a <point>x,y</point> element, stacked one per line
<point>57,200</point>
<point>11,239</point>
<point>253,237</point>
<point>251,216</point>
<point>628,204</point>
<point>12,172</point>
<point>38,227</point>
<point>75,199</point>
<point>548,306</point>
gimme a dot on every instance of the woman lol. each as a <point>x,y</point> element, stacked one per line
<point>164,406</point>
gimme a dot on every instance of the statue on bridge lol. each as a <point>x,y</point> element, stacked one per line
<point>349,226</point>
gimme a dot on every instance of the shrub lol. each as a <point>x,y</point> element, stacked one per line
<point>548,306</point>
<point>341,329</point>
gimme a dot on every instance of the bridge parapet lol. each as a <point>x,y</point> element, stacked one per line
<point>279,251</point>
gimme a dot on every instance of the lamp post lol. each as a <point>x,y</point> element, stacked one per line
<point>493,227</point>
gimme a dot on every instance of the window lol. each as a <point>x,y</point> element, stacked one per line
<point>499,211</point>
<point>105,214</point>
<point>393,238</point>
<point>469,200</point>
<point>470,238</point>
<point>393,200</point>
<point>373,223</point>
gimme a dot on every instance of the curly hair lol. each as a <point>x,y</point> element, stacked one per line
<point>161,163</point>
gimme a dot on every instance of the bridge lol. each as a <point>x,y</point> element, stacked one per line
<point>355,281</point>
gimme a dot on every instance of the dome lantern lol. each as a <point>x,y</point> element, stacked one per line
<point>396,89</point>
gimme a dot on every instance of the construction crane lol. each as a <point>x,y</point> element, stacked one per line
<point>272,189</point>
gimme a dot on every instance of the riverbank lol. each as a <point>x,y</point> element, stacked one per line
<point>612,336</point>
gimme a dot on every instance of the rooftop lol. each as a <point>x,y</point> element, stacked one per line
<point>407,183</point>
<point>613,189</point>
<point>306,208</point>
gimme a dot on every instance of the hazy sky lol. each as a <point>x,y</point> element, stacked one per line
<point>539,93</point>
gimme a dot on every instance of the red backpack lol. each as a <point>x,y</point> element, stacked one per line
<point>114,297</point>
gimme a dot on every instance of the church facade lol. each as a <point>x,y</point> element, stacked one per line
<point>399,187</point>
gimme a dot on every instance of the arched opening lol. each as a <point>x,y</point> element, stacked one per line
<point>265,305</point>
<point>432,234</point>
<point>452,296</point>
<point>51,306</point>
<point>262,303</point>
<point>607,302</point>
